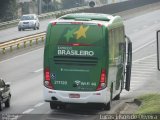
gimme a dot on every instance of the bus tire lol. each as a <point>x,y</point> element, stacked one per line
<point>57,106</point>
<point>34,28</point>
<point>53,105</point>
<point>19,29</point>
<point>7,103</point>
<point>1,105</point>
<point>108,106</point>
<point>117,97</point>
<point>61,106</point>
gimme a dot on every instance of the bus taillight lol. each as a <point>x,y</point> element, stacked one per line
<point>99,25</point>
<point>47,81</point>
<point>54,23</point>
<point>103,79</point>
<point>103,76</point>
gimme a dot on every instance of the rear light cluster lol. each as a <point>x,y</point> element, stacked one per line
<point>54,23</point>
<point>103,80</point>
<point>47,78</point>
<point>99,25</point>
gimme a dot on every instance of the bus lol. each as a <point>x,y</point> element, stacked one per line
<point>87,59</point>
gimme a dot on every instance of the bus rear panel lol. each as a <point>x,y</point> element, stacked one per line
<point>75,60</point>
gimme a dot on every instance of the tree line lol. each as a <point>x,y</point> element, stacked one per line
<point>9,8</point>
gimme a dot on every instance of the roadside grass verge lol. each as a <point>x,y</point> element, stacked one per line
<point>150,104</point>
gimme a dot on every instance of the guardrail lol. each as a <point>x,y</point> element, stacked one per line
<point>44,16</point>
<point>22,42</point>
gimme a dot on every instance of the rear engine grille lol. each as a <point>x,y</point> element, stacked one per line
<point>70,60</point>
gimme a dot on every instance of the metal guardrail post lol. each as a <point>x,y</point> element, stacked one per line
<point>30,42</point>
<point>36,40</point>
<point>11,48</point>
<point>4,50</point>
<point>24,44</point>
<point>42,39</point>
<point>18,45</point>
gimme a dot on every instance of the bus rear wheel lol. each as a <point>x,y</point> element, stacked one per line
<point>117,97</point>
<point>57,106</point>
<point>108,106</point>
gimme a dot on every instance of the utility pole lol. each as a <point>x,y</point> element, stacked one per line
<point>39,7</point>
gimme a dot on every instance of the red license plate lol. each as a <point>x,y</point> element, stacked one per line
<point>74,95</point>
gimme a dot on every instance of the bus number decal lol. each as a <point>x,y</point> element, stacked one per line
<point>60,82</point>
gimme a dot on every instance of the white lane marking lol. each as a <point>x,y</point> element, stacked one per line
<point>39,70</point>
<point>143,69</point>
<point>28,111</point>
<point>20,55</point>
<point>136,81</point>
<point>39,104</point>
<point>143,46</point>
<point>140,75</point>
<point>142,72</point>
<point>144,58</point>
<point>147,62</point>
<point>138,78</point>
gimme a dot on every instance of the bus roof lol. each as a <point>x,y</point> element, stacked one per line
<point>105,19</point>
<point>88,16</point>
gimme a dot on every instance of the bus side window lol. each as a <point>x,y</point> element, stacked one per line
<point>122,46</point>
<point>111,45</point>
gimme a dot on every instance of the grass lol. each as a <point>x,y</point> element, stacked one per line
<point>150,104</point>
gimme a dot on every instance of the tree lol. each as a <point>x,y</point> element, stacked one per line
<point>8,10</point>
<point>47,1</point>
<point>72,3</point>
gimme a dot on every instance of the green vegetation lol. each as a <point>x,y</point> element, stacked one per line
<point>8,10</point>
<point>72,3</point>
<point>150,104</point>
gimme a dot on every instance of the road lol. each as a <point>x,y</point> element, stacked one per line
<point>25,73</point>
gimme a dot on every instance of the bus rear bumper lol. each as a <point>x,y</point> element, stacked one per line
<point>102,96</point>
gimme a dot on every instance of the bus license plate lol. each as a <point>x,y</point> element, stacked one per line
<point>74,95</point>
